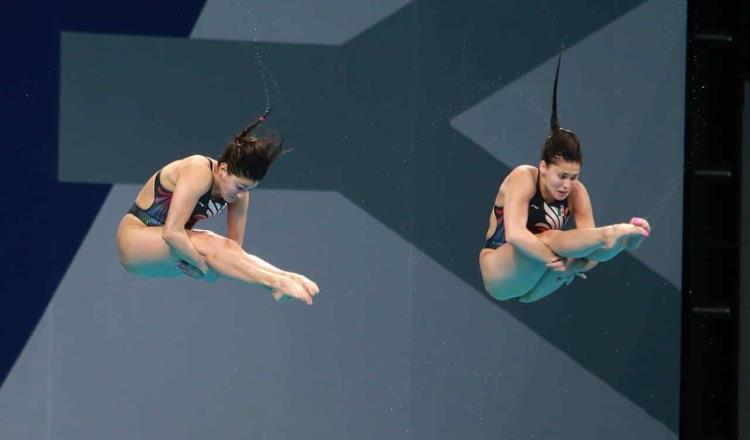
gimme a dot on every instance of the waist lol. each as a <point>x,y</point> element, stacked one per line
<point>144,216</point>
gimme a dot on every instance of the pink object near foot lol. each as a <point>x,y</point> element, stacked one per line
<point>637,221</point>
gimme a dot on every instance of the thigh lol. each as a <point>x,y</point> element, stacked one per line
<point>507,273</point>
<point>142,249</point>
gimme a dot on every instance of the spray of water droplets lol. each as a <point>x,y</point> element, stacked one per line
<point>471,93</point>
<point>254,49</point>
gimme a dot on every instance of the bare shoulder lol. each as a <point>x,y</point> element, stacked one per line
<point>579,197</point>
<point>520,180</point>
<point>243,197</point>
<point>521,177</point>
<point>578,190</point>
<point>193,168</point>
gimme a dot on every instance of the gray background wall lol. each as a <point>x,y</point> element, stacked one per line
<point>405,117</point>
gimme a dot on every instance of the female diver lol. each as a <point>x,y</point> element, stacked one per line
<point>156,237</point>
<point>527,255</point>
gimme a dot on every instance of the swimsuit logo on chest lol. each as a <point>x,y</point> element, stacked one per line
<point>213,208</point>
<point>553,216</point>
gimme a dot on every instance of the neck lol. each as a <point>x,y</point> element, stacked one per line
<point>546,195</point>
<point>214,186</point>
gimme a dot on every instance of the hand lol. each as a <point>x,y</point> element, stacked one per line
<point>286,286</point>
<point>574,268</point>
<point>575,265</point>
<point>192,271</point>
<point>557,265</point>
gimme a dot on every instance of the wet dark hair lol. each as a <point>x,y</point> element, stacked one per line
<point>250,156</point>
<point>561,143</point>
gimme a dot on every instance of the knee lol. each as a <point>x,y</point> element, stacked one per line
<point>502,297</point>
<point>129,268</point>
<point>502,294</point>
<point>125,262</point>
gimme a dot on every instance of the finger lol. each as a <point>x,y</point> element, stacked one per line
<point>190,270</point>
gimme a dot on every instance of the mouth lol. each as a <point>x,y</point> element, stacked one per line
<point>562,193</point>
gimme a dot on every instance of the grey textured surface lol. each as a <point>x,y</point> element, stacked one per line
<point>119,357</point>
<point>371,120</point>
<point>619,89</point>
<point>331,22</point>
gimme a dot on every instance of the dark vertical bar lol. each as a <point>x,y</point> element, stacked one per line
<point>744,316</point>
<point>711,255</point>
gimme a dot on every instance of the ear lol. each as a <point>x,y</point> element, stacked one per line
<point>542,166</point>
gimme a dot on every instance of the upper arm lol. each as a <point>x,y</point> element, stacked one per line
<point>193,180</point>
<point>237,218</point>
<point>580,206</point>
<point>518,191</point>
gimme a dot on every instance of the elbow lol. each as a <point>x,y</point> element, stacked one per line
<point>169,234</point>
<point>512,239</point>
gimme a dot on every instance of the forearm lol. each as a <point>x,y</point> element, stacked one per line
<point>181,244</point>
<point>236,237</point>
<point>529,245</point>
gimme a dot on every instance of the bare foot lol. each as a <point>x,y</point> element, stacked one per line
<point>633,241</point>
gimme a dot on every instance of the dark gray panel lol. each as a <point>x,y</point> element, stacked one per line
<point>479,373</point>
<point>129,357</point>
<point>371,120</point>
<point>117,356</point>
<point>291,21</point>
<point>626,108</point>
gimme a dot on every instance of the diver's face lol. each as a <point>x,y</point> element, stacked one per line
<point>231,186</point>
<point>558,177</point>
